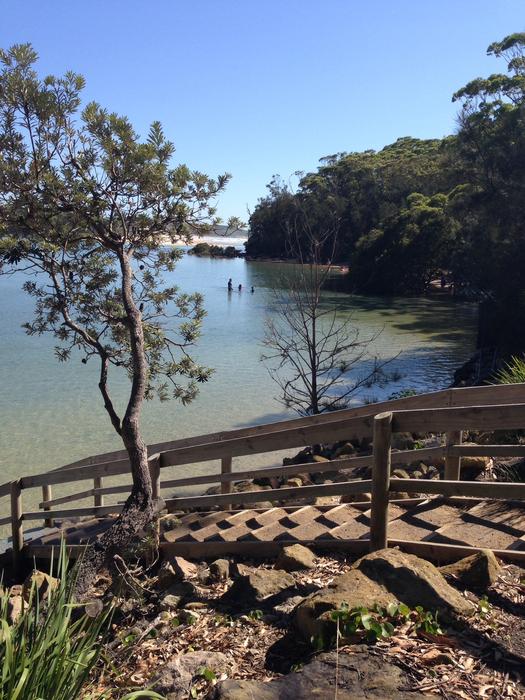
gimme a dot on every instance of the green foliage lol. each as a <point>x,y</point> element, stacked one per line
<point>50,651</point>
<point>220,620</point>
<point>214,251</point>
<point>255,614</point>
<point>484,606</point>
<point>417,209</point>
<point>402,394</point>
<point>513,372</point>
<point>206,673</point>
<point>354,624</point>
<point>86,207</point>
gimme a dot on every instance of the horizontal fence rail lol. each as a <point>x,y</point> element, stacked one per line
<point>450,411</point>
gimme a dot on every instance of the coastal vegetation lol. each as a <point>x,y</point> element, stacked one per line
<point>85,209</point>
<point>421,210</point>
<point>215,251</point>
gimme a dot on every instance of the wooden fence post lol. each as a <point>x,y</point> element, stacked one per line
<point>226,486</point>
<point>98,498</point>
<point>17,528</point>
<point>47,495</point>
<point>453,463</point>
<point>154,470</point>
<point>380,481</point>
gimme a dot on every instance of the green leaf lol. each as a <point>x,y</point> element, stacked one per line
<point>366,620</point>
<point>206,673</point>
<point>404,610</point>
<point>392,609</point>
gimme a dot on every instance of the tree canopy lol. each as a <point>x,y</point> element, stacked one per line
<point>86,210</point>
<point>419,208</point>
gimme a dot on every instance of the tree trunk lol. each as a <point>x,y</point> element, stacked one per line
<point>138,511</point>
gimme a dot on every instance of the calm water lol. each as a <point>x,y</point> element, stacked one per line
<point>51,413</point>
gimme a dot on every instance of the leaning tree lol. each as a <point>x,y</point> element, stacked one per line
<point>86,209</point>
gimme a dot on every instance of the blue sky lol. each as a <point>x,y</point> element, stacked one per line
<point>257,87</point>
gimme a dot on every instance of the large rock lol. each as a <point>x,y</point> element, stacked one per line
<point>476,573</point>
<point>184,570</point>
<point>178,594</point>
<point>413,581</point>
<point>361,674</point>
<point>177,675</point>
<point>380,578</point>
<point>403,441</point>
<point>474,465</point>
<point>294,558</point>
<point>219,570</point>
<point>312,617</point>
<point>346,450</point>
<point>258,585</point>
<point>39,582</point>
<point>166,576</point>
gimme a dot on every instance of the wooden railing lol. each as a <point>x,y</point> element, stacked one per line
<point>450,411</point>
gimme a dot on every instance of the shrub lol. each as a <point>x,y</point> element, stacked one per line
<point>513,372</point>
<point>48,652</point>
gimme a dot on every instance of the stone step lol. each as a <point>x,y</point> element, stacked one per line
<point>508,514</point>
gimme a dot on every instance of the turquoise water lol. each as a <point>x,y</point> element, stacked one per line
<point>51,413</point>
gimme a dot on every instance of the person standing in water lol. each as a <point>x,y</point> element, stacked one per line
<point>240,288</point>
<point>252,290</point>
<point>230,285</point>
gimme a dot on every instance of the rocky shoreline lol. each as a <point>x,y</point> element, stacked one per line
<point>329,457</point>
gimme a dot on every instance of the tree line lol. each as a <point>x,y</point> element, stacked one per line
<point>421,209</point>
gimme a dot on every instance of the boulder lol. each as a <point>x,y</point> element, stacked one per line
<point>312,617</point>
<point>258,585</point>
<point>380,578</point>
<point>400,474</point>
<point>261,505</point>
<point>473,466</point>
<point>177,675</point>
<point>413,581</point>
<point>170,602</point>
<point>184,570</point>
<point>476,573</point>
<point>326,500</point>
<point>361,674</point>
<point>346,450</point>
<point>39,582</point>
<point>220,570</point>
<point>355,498</point>
<point>15,605</point>
<point>177,595</point>
<point>249,487</point>
<point>303,457</point>
<point>294,558</point>
<point>401,495</point>
<point>325,477</point>
<point>166,575</point>
<point>263,481</point>
<point>403,441</point>
<point>240,569</point>
<point>169,522</point>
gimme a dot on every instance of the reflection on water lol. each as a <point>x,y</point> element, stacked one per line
<point>51,413</point>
